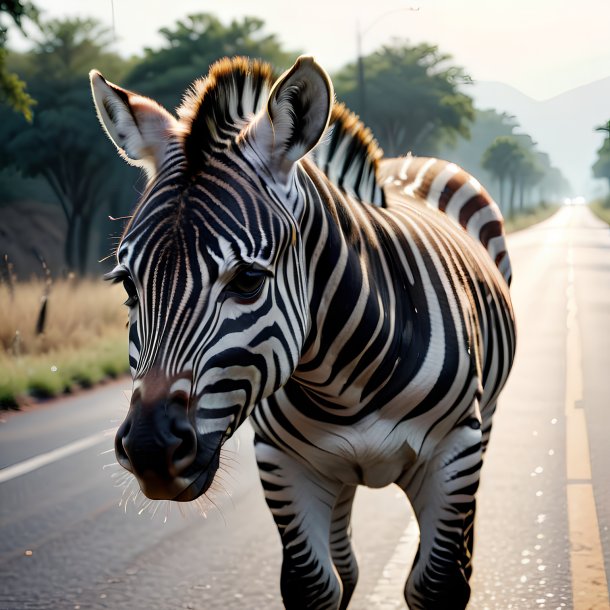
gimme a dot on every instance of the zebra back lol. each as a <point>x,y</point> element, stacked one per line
<point>453,191</point>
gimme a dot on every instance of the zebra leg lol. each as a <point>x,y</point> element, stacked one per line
<point>301,503</point>
<point>341,545</point>
<point>442,493</point>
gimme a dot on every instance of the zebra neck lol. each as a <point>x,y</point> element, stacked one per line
<point>341,353</point>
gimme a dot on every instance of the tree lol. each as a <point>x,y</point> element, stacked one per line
<point>529,173</point>
<point>514,161</point>
<point>12,88</point>
<point>499,160</point>
<point>59,144</point>
<point>413,101</point>
<point>601,167</point>
<point>195,43</point>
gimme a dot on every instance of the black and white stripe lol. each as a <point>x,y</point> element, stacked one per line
<point>356,308</point>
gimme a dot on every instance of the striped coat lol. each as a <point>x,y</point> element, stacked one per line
<point>355,308</point>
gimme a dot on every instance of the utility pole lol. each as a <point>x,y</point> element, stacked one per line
<point>360,60</point>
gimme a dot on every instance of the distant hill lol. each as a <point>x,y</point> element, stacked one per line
<point>563,125</point>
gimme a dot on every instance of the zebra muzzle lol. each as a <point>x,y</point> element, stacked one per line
<point>158,443</point>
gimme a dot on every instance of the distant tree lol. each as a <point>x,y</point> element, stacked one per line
<point>192,45</point>
<point>413,101</point>
<point>499,160</point>
<point>514,162</point>
<point>601,167</point>
<point>59,145</point>
<point>12,88</point>
<point>529,173</point>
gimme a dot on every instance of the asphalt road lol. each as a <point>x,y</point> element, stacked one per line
<point>72,537</point>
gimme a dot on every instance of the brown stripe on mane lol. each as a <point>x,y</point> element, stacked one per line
<point>205,112</point>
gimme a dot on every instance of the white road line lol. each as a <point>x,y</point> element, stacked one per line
<point>21,468</point>
<point>395,571</point>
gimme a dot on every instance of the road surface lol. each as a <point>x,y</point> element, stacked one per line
<point>544,503</point>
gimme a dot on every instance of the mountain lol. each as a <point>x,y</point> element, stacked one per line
<point>563,126</point>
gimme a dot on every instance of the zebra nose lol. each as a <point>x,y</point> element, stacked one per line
<point>156,441</point>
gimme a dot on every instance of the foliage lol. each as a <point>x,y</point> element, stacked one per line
<point>12,88</point>
<point>601,167</point>
<point>514,162</point>
<point>195,43</point>
<point>57,144</point>
<point>601,208</point>
<point>411,98</point>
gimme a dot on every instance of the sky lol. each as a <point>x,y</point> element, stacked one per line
<point>541,47</point>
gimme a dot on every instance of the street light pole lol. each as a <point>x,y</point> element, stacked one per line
<point>360,60</point>
<point>360,67</point>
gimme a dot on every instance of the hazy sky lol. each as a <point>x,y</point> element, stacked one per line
<point>542,47</point>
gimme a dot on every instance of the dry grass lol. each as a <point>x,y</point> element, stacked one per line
<point>527,218</point>
<point>83,339</point>
<point>601,208</point>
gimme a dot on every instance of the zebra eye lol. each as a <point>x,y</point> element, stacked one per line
<point>247,285</point>
<point>132,293</point>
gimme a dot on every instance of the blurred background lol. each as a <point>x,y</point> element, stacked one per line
<point>511,91</point>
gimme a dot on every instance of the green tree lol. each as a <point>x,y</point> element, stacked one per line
<point>413,101</point>
<point>192,45</point>
<point>12,88</point>
<point>514,162</point>
<point>503,159</point>
<point>529,173</point>
<point>59,145</point>
<point>497,159</point>
<point>601,167</point>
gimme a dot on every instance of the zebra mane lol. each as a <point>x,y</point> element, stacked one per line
<point>349,155</point>
<point>216,109</point>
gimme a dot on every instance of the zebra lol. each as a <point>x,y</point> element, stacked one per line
<point>356,309</point>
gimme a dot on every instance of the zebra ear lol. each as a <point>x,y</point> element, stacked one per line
<point>298,111</point>
<point>140,128</point>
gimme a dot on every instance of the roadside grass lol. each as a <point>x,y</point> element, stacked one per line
<point>527,218</point>
<point>601,208</point>
<point>83,339</point>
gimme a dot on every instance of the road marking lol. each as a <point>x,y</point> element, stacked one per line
<point>396,569</point>
<point>21,468</point>
<point>589,584</point>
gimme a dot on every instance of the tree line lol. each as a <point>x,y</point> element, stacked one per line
<point>52,149</point>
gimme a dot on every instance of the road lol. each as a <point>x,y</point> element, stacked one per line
<point>544,504</point>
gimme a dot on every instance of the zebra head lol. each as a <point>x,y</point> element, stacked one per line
<point>212,260</point>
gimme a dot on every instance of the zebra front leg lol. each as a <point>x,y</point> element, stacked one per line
<point>442,493</point>
<point>301,503</point>
<point>341,543</point>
